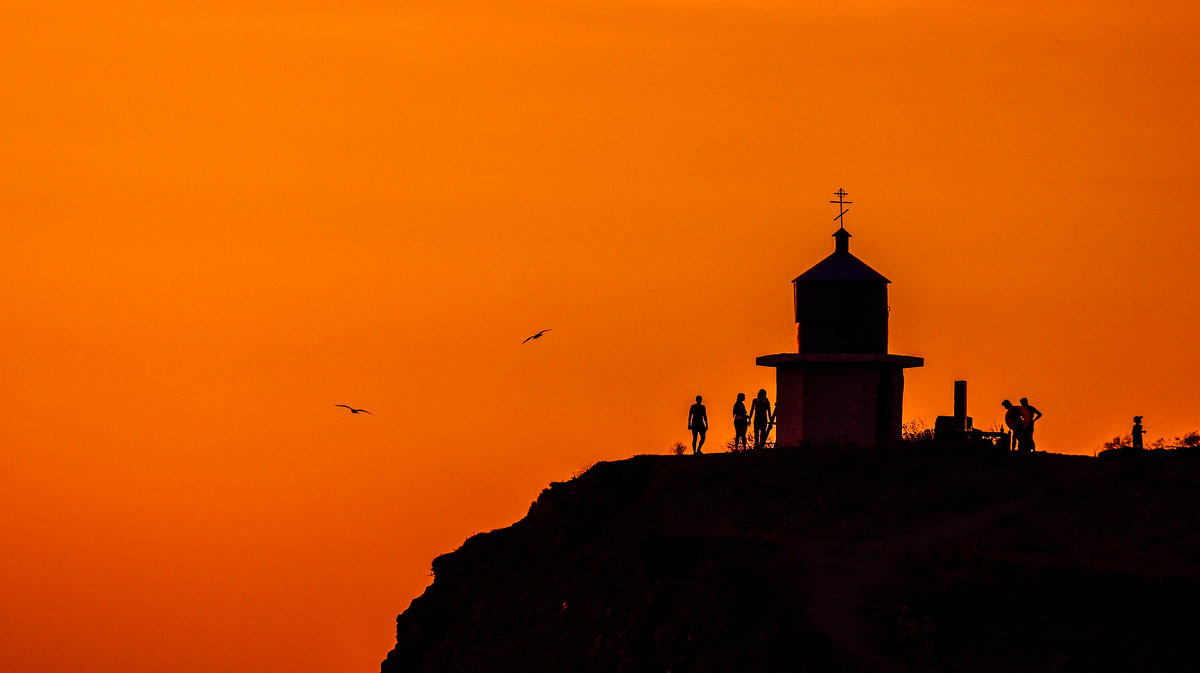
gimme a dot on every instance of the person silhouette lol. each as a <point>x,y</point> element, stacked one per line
<point>761,416</point>
<point>698,423</point>
<point>1015,421</point>
<point>740,422</point>
<point>1030,414</point>
<point>1137,432</point>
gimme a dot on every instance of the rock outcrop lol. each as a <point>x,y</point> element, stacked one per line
<point>924,558</point>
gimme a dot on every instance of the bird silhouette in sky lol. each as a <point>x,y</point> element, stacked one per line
<point>352,409</point>
<point>536,336</point>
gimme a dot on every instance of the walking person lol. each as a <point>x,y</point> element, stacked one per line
<point>762,417</point>
<point>1030,414</point>
<point>698,424</point>
<point>740,422</point>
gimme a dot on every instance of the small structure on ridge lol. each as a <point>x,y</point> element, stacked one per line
<point>841,385</point>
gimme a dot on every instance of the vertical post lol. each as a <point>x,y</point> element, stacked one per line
<point>960,405</point>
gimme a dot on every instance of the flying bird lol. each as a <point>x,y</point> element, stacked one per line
<point>352,409</point>
<point>536,336</point>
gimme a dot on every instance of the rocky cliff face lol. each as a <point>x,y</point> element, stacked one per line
<point>921,559</point>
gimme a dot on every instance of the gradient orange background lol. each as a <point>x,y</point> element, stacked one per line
<point>219,221</point>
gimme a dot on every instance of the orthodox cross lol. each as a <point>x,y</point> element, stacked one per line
<point>841,194</point>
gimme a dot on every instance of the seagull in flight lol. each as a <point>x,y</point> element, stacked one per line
<point>536,336</point>
<point>352,409</point>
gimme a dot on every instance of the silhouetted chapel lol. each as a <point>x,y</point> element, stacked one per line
<point>841,385</point>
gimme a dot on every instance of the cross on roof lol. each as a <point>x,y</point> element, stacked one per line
<point>841,194</point>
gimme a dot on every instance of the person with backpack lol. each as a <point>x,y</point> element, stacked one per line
<point>1015,421</point>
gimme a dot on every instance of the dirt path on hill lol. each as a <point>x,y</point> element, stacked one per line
<point>839,573</point>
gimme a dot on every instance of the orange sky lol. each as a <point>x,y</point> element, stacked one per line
<point>221,221</point>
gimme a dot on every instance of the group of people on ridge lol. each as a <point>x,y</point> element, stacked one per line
<point>1020,420</point>
<point>761,416</point>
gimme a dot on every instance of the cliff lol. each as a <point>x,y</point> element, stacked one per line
<point>927,558</point>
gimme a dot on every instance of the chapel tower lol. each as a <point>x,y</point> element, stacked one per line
<point>841,386</point>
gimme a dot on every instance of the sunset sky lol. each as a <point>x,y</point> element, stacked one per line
<point>221,220</point>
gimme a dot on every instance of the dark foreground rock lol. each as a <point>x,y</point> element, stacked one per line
<point>927,558</point>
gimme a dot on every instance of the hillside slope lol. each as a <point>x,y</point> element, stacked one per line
<point>806,561</point>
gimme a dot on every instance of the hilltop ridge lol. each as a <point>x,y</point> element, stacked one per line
<point>804,560</point>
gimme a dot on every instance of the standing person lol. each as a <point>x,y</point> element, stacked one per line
<point>1015,421</point>
<point>698,424</point>
<point>1137,432</point>
<point>763,418</point>
<point>1030,414</point>
<point>740,422</point>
